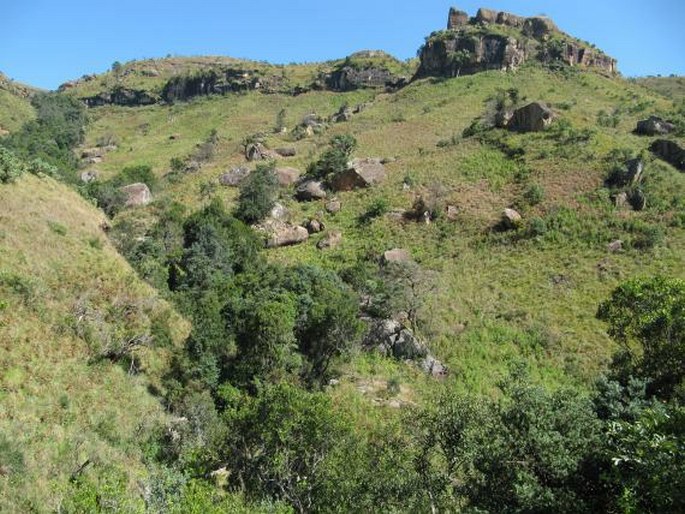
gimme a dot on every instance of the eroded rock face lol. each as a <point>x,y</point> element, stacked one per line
<point>348,78</point>
<point>533,117</point>
<point>121,96</point>
<point>360,173</point>
<point>487,52</point>
<point>670,152</point>
<point>137,194</point>
<point>539,27</point>
<point>457,18</point>
<point>484,16</point>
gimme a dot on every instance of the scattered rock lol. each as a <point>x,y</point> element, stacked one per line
<point>634,167</point>
<point>174,137</point>
<point>94,160</point>
<point>137,194</point>
<point>314,226</point>
<point>399,255</point>
<point>286,152</point>
<point>654,126</point>
<point>615,246</point>
<point>511,219</point>
<point>344,114</point>
<point>621,200</point>
<point>638,200</point>
<point>333,206</point>
<point>284,234</point>
<point>670,152</point>
<point>89,176</point>
<point>287,176</point>
<point>391,338</point>
<point>433,367</point>
<point>310,190</point>
<point>192,166</point>
<point>360,173</point>
<point>258,152</point>
<point>533,117</point>
<point>331,240</point>
<point>234,176</point>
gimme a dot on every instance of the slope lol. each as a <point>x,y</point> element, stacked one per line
<point>67,301</point>
<point>15,107</point>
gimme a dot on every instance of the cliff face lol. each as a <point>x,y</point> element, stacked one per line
<point>502,41</point>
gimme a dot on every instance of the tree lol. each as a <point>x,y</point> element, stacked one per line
<point>257,194</point>
<point>647,318</point>
<point>333,160</point>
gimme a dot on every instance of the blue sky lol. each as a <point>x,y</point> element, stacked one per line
<point>47,42</point>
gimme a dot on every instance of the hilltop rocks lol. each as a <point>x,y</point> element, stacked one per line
<point>654,126</point>
<point>533,117</point>
<point>539,27</point>
<point>136,194</point>
<point>310,190</point>
<point>234,176</point>
<point>456,19</point>
<point>670,152</point>
<point>485,16</point>
<point>360,173</point>
<point>510,20</point>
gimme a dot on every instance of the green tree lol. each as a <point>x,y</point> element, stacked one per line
<point>257,194</point>
<point>647,318</point>
<point>335,159</point>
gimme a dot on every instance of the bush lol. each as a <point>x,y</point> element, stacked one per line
<point>333,160</point>
<point>534,194</point>
<point>11,167</point>
<point>257,194</point>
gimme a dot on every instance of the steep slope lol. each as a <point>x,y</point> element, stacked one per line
<point>69,409</point>
<point>15,107</point>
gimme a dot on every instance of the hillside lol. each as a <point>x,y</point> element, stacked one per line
<point>15,106</point>
<point>66,299</point>
<point>324,287</point>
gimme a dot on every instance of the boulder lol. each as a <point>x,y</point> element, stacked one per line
<point>621,200</point>
<point>89,176</point>
<point>136,194</point>
<point>451,212</point>
<point>391,338</point>
<point>234,176</point>
<point>360,173</point>
<point>533,117</point>
<point>258,152</point>
<point>287,176</point>
<point>396,255</point>
<point>433,367</point>
<point>502,118</point>
<point>637,200</point>
<point>485,16</point>
<point>331,240</point>
<point>670,152</point>
<point>286,152</point>
<point>310,190</point>
<point>615,246</point>
<point>654,126</point>
<point>283,234</point>
<point>456,19</point>
<point>88,153</point>
<point>511,219</point>
<point>629,175</point>
<point>344,114</point>
<point>333,206</point>
<point>314,226</point>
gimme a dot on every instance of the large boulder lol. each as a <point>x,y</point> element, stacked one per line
<point>533,117</point>
<point>511,219</point>
<point>258,152</point>
<point>629,175</point>
<point>669,151</point>
<point>234,176</point>
<point>280,234</point>
<point>310,190</point>
<point>391,338</point>
<point>136,194</point>
<point>360,173</point>
<point>287,176</point>
<point>654,126</point>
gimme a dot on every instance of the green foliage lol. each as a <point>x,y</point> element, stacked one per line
<point>108,194</point>
<point>10,166</point>
<point>333,160</point>
<point>257,194</point>
<point>647,318</point>
<point>378,208</point>
<point>534,194</point>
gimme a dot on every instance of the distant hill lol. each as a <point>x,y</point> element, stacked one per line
<point>15,106</point>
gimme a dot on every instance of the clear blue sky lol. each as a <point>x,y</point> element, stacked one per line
<point>47,42</point>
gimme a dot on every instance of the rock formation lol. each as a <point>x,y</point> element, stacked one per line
<point>654,126</point>
<point>360,173</point>
<point>669,151</point>
<point>533,117</point>
<point>136,194</point>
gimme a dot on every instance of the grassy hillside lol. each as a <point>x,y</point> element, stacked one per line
<point>516,297</point>
<point>66,298</point>
<point>670,87</point>
<point>15,107</point>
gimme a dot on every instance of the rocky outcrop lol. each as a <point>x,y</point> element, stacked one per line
<point>349,78</point>
<point>121,96</point>
<point>669,151</point>
<point>654,126</point>
<point>468,45</point>
<point>136,194</point>
<point>360,173</point>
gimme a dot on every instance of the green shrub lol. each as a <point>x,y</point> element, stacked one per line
<point>11,166</point>
<point>257,194</point>
<point>534,194</point>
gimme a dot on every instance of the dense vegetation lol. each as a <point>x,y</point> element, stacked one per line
<point>206,373</point>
